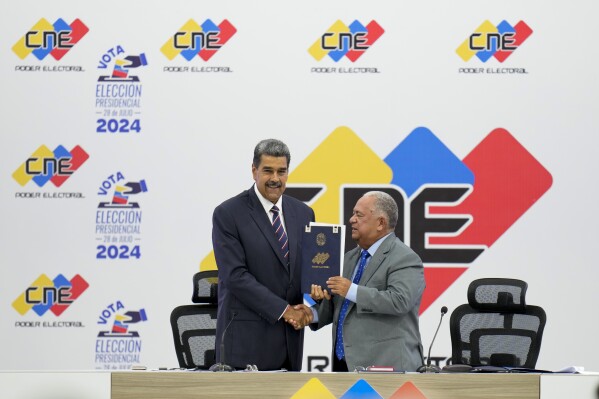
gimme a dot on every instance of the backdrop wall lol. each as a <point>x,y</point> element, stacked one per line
<point>125,124</point>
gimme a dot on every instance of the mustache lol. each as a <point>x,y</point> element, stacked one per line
<point>273,184</point>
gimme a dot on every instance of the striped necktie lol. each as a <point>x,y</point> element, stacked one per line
<point>339,349</point>
<point>280,234</point>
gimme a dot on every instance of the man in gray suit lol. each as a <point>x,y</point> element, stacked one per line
<point>374,306</point>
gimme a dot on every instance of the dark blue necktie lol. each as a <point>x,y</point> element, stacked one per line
<point>280,234</point>
<point>339,350</point>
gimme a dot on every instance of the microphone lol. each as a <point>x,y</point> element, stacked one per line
<point>428,368</point>
<point>222,365</point>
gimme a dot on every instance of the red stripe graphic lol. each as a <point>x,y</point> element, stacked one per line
<point>79,29</point>
<point>226,31</point>
<point>374,32</point>
<point>523,31</point>
<point>79,156</point>
<point>506,174</point>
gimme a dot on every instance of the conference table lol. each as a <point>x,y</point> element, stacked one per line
<point>180,384</point>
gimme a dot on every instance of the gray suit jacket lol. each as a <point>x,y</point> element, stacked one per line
<point>382,327</point>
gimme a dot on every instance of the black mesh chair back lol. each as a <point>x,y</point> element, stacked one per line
<point>496,327</point>
<point>194,326</point>
<point>205,287</point>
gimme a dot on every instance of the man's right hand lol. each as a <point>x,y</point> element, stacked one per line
<point>298,316</point>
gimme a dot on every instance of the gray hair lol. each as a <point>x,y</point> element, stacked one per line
<point>386,205</point>
<point>271,147</point>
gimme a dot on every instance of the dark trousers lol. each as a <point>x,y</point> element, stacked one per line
<point>339,365</point>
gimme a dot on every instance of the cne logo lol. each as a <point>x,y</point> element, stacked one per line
<point>46,165</point>
<point>45,38</point>
<point>342,40</point>
<point>198,40</point>
<point>46,294</point>
<point>314,388</point>
<point>498,41</point>
<point>451,210</point>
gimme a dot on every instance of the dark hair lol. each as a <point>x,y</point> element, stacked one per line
<point>271,147</point>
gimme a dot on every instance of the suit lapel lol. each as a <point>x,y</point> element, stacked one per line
<point>265,225</point>
<point>377,259</point>
<point>351,262</point>
<point>349,265</point>
<point>291,228</point>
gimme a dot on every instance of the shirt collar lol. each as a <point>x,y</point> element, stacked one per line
<point>376,245</point>
<point>266,204</point>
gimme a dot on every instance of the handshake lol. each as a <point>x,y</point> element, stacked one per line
<point>299,316</point>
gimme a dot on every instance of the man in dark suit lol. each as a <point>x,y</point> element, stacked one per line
<point>374,306</point>
<point>257,251</point>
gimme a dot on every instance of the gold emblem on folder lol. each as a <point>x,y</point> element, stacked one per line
<point>321,239</point>
<point>320,258</point>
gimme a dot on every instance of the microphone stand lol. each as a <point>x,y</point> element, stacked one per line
<point>428,367</point>
<point>222,365</point>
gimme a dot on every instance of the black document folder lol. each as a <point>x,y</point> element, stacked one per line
<point>322,254</point>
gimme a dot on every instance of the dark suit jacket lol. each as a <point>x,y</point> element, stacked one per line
<point>382,327</point>
<point>255,282</point>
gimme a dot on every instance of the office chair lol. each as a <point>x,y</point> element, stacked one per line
<point>194,326</point>
<point>496,327</point>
